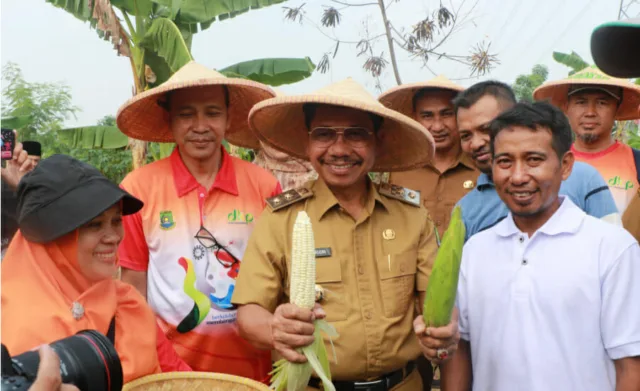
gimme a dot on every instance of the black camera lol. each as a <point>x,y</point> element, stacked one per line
<point>88,360</point>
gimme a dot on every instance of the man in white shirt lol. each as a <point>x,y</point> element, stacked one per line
<point>548,297</point>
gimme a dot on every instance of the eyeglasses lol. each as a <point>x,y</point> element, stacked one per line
<point>355,136</point>
<point>224,257</point>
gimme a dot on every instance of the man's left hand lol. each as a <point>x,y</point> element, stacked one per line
<point>438,344</point>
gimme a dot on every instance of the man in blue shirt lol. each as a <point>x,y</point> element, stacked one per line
<point>482,208</point>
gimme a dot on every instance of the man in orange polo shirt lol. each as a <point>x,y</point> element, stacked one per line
<point>593,101</point>
<point>184,249</point>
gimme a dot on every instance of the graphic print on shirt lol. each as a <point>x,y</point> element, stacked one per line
<point>201,305</point>
<point>210,283</point>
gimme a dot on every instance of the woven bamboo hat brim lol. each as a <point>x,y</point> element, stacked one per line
<point>142,118</point>
<point>400,98</point>
<point>557,91</point>
<point>194,381</point>
<point>403,143</point>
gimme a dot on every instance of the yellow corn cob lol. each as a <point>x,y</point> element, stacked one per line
<point>303,263</point>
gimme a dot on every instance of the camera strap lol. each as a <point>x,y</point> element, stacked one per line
<point>111,333</point>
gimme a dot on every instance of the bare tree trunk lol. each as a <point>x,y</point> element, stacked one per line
<point>138,152</point>
<point>138,148</point>
<point>392,52</point>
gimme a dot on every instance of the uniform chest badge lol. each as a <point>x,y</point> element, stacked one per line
<point>166,220</point>
<point>468,184</point>
<point>388,234</point>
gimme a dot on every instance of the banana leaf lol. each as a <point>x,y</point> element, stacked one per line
<point>165,50</point>
<point>207,11</point>
<point>273,71</point>
<point>94,137</point>
<point>101,17</point>
<point>573,61</point>
<point>164,40</point>
<point>16,122</point>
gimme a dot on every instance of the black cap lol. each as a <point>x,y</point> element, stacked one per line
<point>615,47</point>
<point>61,194</point>
<point>33,148</point>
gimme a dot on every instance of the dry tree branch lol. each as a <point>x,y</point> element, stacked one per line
<point>375,65</point>
<point>352,4</point>
<point>331,17</point>
<point>481,60</point>
<point>295,13</point>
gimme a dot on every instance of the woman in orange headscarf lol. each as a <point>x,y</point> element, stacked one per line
<point>57,275</point>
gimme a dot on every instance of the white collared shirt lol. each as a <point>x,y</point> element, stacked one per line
<point>552,311</point>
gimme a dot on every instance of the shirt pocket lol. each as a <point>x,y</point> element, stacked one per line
<point>329,277</point>
<point>397,282</point>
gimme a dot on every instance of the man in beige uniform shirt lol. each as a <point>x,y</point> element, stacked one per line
<point>375,246</point>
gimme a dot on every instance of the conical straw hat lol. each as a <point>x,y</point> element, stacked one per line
<point>557,91</point>
<point>193,381</point>
<point>141,117</point>
<point>400,98</point>
<point>403,143</point>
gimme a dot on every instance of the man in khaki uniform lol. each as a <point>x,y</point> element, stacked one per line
<point>451,174</point>
<point>374,246</point>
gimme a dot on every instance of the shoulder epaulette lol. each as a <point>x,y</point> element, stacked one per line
<point>289,197</point>
<point>411,197</point>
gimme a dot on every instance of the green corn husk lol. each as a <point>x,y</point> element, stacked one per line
<point>288,376</point>
<point>443,282</point>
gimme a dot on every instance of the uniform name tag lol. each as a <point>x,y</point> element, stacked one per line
<point>323,252</point>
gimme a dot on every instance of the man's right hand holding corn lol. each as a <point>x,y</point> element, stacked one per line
<point>291,328</point>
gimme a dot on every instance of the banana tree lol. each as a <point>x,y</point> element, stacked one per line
<point>572,60</point>
<point>155,35</point>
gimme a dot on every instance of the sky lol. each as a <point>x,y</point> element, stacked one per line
<point>51,45</point>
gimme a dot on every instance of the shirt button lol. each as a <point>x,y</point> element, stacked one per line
<point>201,195</point>
<point>525,262</point>
<point>438,223</point>
<point>367,315</point>
<point>401,268</point>
<point>439,198</point>
<point>360,270</point>
<point>521,239</point>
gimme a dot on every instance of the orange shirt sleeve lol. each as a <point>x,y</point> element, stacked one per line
<point>133,251</point>
<point>277,190</point>
<point>167,356</point>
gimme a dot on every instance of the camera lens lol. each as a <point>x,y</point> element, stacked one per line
<point>88,360</point>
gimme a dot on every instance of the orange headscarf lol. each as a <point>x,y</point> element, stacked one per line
<point>40,283</point>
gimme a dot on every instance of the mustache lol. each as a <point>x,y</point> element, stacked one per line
<point>480,151</point>
<point>200,138</point>
<point>512,191</point>
<point>340,161</point>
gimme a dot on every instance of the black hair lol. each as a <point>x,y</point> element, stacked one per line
<point>309,110</point>
<point>165,100</point>
<point>428,91</point>
<point>536,116</point>
<point>499,90</point>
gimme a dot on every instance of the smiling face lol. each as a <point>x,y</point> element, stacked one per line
<point>98,242</point>
<point>341,164</point>
<point>527,171</point>
<point>473,125</point>
<point>199,120</point>
<point>592,115</point>
<point>435,112</point>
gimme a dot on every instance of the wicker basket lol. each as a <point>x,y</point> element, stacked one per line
<point>194,381</point>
